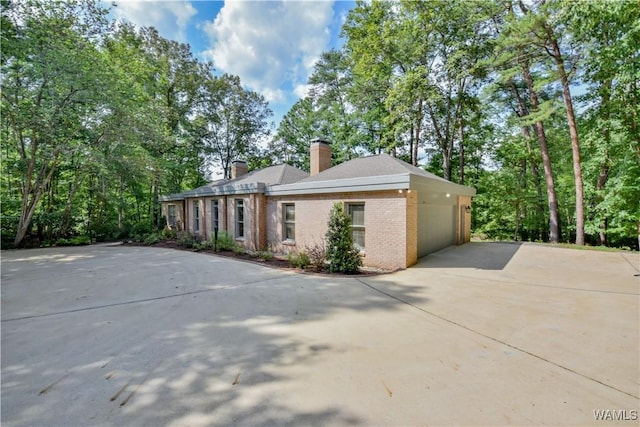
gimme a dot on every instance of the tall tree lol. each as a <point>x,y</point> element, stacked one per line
<point>514,56</point>
<point>537,24</point>
<point>608,36</point>
<point>297,128</point>
<point>174,86</point>
<point>52,84</point>
<point>232,121</point>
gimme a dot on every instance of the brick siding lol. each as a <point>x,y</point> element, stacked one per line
<point>387,243</point>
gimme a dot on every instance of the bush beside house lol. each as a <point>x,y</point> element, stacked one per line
<point>341,254</point>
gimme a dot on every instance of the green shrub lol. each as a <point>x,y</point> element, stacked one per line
<point>169,233</point>
<point>80,240</point>
<point>142,228</point>
<point>342,256</point>
<point>74,241</point>
<point>299,260</point>
<point>200,246</point>
<point>238,249</point>
<point>186,240</point>
<point>152,239</point>
<point>226,242</point>
<point>265,255</point>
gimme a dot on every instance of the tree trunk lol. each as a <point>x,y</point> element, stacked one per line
<point>121,205</point>
<point>575,142</point>
<point>603,176</point>
<point>461,159</point>
<point>156,204</point>
<point>32,192</point>
<point>414,152</point>
<point>535,172</point>
<point>554,215</point>
<point>66,215</point>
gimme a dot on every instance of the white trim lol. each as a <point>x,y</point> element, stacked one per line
<point>222,190</point>
<point>348,185</point>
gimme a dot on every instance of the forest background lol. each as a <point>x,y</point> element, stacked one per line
<point>534,103</point>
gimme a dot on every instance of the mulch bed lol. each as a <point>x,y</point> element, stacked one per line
<point>275,262</point>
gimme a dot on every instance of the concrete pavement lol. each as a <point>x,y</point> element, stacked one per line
<point>483,334</point>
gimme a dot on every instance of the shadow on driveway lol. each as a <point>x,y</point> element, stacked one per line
<point>141,336</point>
<point>478,255</point>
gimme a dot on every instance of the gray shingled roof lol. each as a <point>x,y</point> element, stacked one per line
<point>379,165</point>
<point>271,175</point>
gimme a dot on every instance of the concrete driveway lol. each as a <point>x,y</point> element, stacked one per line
<point>483,334</point>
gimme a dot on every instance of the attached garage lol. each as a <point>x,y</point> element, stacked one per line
<point>404,212</point>
<point>444,213</point>
<point>436,228</point>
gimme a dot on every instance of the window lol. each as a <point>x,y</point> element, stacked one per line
<point>196,217</point>
<point>356,213</point>
<point>172,215</point>
<point>239,219</point>
<point>289,222</point>
<point>214,215</point>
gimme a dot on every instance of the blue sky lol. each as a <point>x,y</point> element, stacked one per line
<point>271,45</point>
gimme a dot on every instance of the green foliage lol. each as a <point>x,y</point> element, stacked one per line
<point>153,238</point>
<point>96,115</point>
<point>169,233</point>
<point>343,257</point>
<point>226,242</point>
<point>99,120</point>
<point>74,241</point>
<point>299,260</point>
<point>291,143</point>
<point>230,121</point>
<point>186,240</point>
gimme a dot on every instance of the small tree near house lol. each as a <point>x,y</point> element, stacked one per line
<point>342,256</point>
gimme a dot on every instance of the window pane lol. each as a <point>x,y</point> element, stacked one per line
<point>239,218</point>
<point>196,216</point>
<point>357,214</point>
<point>214,214</point>
<point>358,238</point>
<point>172,214</point>
<point>290,231</point>
<point>289,212</point>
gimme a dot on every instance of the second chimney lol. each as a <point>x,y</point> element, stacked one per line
<point>238,168</point>
<point>320,151</point>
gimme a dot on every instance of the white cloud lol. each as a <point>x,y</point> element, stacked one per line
<point>170,18</point>
<point>271,45</point>
<point>302,91</point>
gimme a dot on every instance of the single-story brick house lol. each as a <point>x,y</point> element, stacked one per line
<point>399,212</point>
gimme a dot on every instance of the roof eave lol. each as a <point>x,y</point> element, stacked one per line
<point>226,190</point>
<point>373,183</point>
<point>172,198</point>
<point>430,184</point>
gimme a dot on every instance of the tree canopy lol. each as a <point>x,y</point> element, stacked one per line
<point>533,103</point>
<point>99,118</point>
<point>536,104</point>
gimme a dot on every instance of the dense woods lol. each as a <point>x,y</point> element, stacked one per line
<point>534,103</point>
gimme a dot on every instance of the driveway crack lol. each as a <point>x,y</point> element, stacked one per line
<point>460,325</point>
<point>138,301</point>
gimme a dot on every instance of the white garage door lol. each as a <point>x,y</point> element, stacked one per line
<point>436,227</point>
